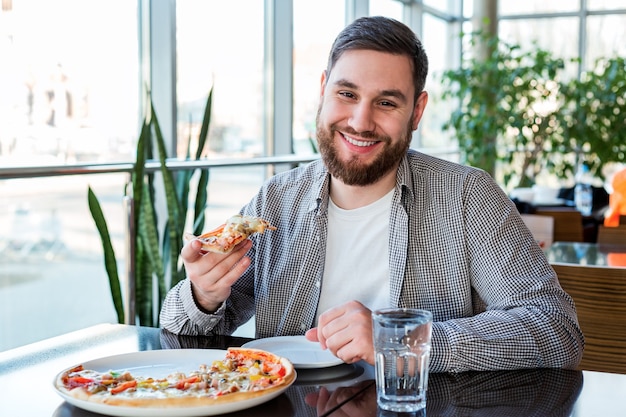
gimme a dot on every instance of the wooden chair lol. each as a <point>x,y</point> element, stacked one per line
<point>568,224</point>
<point>600,297</point>
<point>612,235</point>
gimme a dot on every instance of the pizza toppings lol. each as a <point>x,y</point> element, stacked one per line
<point>242,371</point>
<point>236,229</point>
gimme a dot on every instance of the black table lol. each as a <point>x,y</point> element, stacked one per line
<point>347,390</point>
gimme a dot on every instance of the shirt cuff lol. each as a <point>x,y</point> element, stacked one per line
<point>441,353</point>
<point>205,321</point>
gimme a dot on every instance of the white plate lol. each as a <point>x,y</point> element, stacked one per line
<point>302,353</point>
<point>159,364</point>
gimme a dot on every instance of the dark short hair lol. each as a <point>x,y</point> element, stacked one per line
<point>382,34</point>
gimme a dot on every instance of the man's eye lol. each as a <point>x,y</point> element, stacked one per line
<point>387,104</point>
<point>346,94</point>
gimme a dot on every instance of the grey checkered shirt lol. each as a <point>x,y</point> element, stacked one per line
<point>457,247</point>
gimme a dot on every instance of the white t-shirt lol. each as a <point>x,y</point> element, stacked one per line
<point>357,256</point>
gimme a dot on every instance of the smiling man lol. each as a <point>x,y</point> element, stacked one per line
<point>375,224</point>
<point>366,118</point>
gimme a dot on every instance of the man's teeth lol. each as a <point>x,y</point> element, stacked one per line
<point>358,142</point>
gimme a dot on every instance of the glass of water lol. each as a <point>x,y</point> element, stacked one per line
<point>402,349</point>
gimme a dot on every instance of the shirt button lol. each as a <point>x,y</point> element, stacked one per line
<point>302,326</point>
<point>317,284</point>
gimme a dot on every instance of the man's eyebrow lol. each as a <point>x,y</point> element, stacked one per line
<point>342,82</point>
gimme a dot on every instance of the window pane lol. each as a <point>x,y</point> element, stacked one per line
<point>312,44</point>
<point>605,37</point>
<point>557,35</point>
<point>52,274</point>
<point>448,6</point>
<point>605,4</point>
<point>468,8</point>
<point>438,43</point>
<point>69,82</point>
<point>389,8</point>
<point>507,7</point>
<point>221,44</point>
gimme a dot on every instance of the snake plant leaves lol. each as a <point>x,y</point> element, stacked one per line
<point>110,262</point>
<point>156,247</point>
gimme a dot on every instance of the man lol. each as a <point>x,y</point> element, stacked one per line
<point>374,224</point>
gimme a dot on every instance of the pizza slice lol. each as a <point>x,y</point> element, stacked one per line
<point>236,229</point>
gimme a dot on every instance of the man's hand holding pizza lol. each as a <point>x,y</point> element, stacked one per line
<point>213,274</point>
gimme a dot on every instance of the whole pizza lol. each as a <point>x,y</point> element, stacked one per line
<point>242,374</point>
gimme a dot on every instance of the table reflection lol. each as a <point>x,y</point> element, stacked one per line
<point>587,254</point>
<point>350,390</point>
<point>536,392</point>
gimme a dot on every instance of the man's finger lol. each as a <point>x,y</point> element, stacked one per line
<point>311,335</point>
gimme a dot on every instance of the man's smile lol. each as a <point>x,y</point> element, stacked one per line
<point>357,142</point>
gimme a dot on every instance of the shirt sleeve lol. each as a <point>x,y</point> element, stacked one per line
<point>180,313</point>
<point>522,318</point>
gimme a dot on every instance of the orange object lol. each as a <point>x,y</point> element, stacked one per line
<point>617,200</point>
<point>616,259</point>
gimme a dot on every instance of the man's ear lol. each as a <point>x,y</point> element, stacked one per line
<point>323,83</point>
<point>418,111</point>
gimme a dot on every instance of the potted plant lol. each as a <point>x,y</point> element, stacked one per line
<point>518,115</point>
<point>505,115</point>
<point>157,249</point>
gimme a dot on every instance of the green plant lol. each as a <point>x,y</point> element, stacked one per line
<point>157,249</point>
<point>505,112</point>
<point>593,115</point>
<point>519,115</point>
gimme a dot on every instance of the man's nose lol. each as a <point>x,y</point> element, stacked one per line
<point>362,119</point>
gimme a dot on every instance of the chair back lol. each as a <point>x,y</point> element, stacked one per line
<point>541,227</point>
<point>568,224</point>
<point>600,297</point>
<point>612,235</point>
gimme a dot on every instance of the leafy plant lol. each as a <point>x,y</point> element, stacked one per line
<point>506,109</point>
<point>519,115</point>
<point>593,115</point>
<point>157,248</point>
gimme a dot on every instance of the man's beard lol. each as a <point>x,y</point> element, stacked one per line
<point>353,171</point>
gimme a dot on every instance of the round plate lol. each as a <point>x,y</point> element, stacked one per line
<point>301,352</point>
<point>159,364</point>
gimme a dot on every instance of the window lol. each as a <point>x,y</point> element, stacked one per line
<point>220,45</point>
<point>69,82</point>
<point>507,7</point>
<point>311,44</point>
<point>605,37</point>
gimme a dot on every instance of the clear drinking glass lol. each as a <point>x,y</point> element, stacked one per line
<point>402,349</point>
